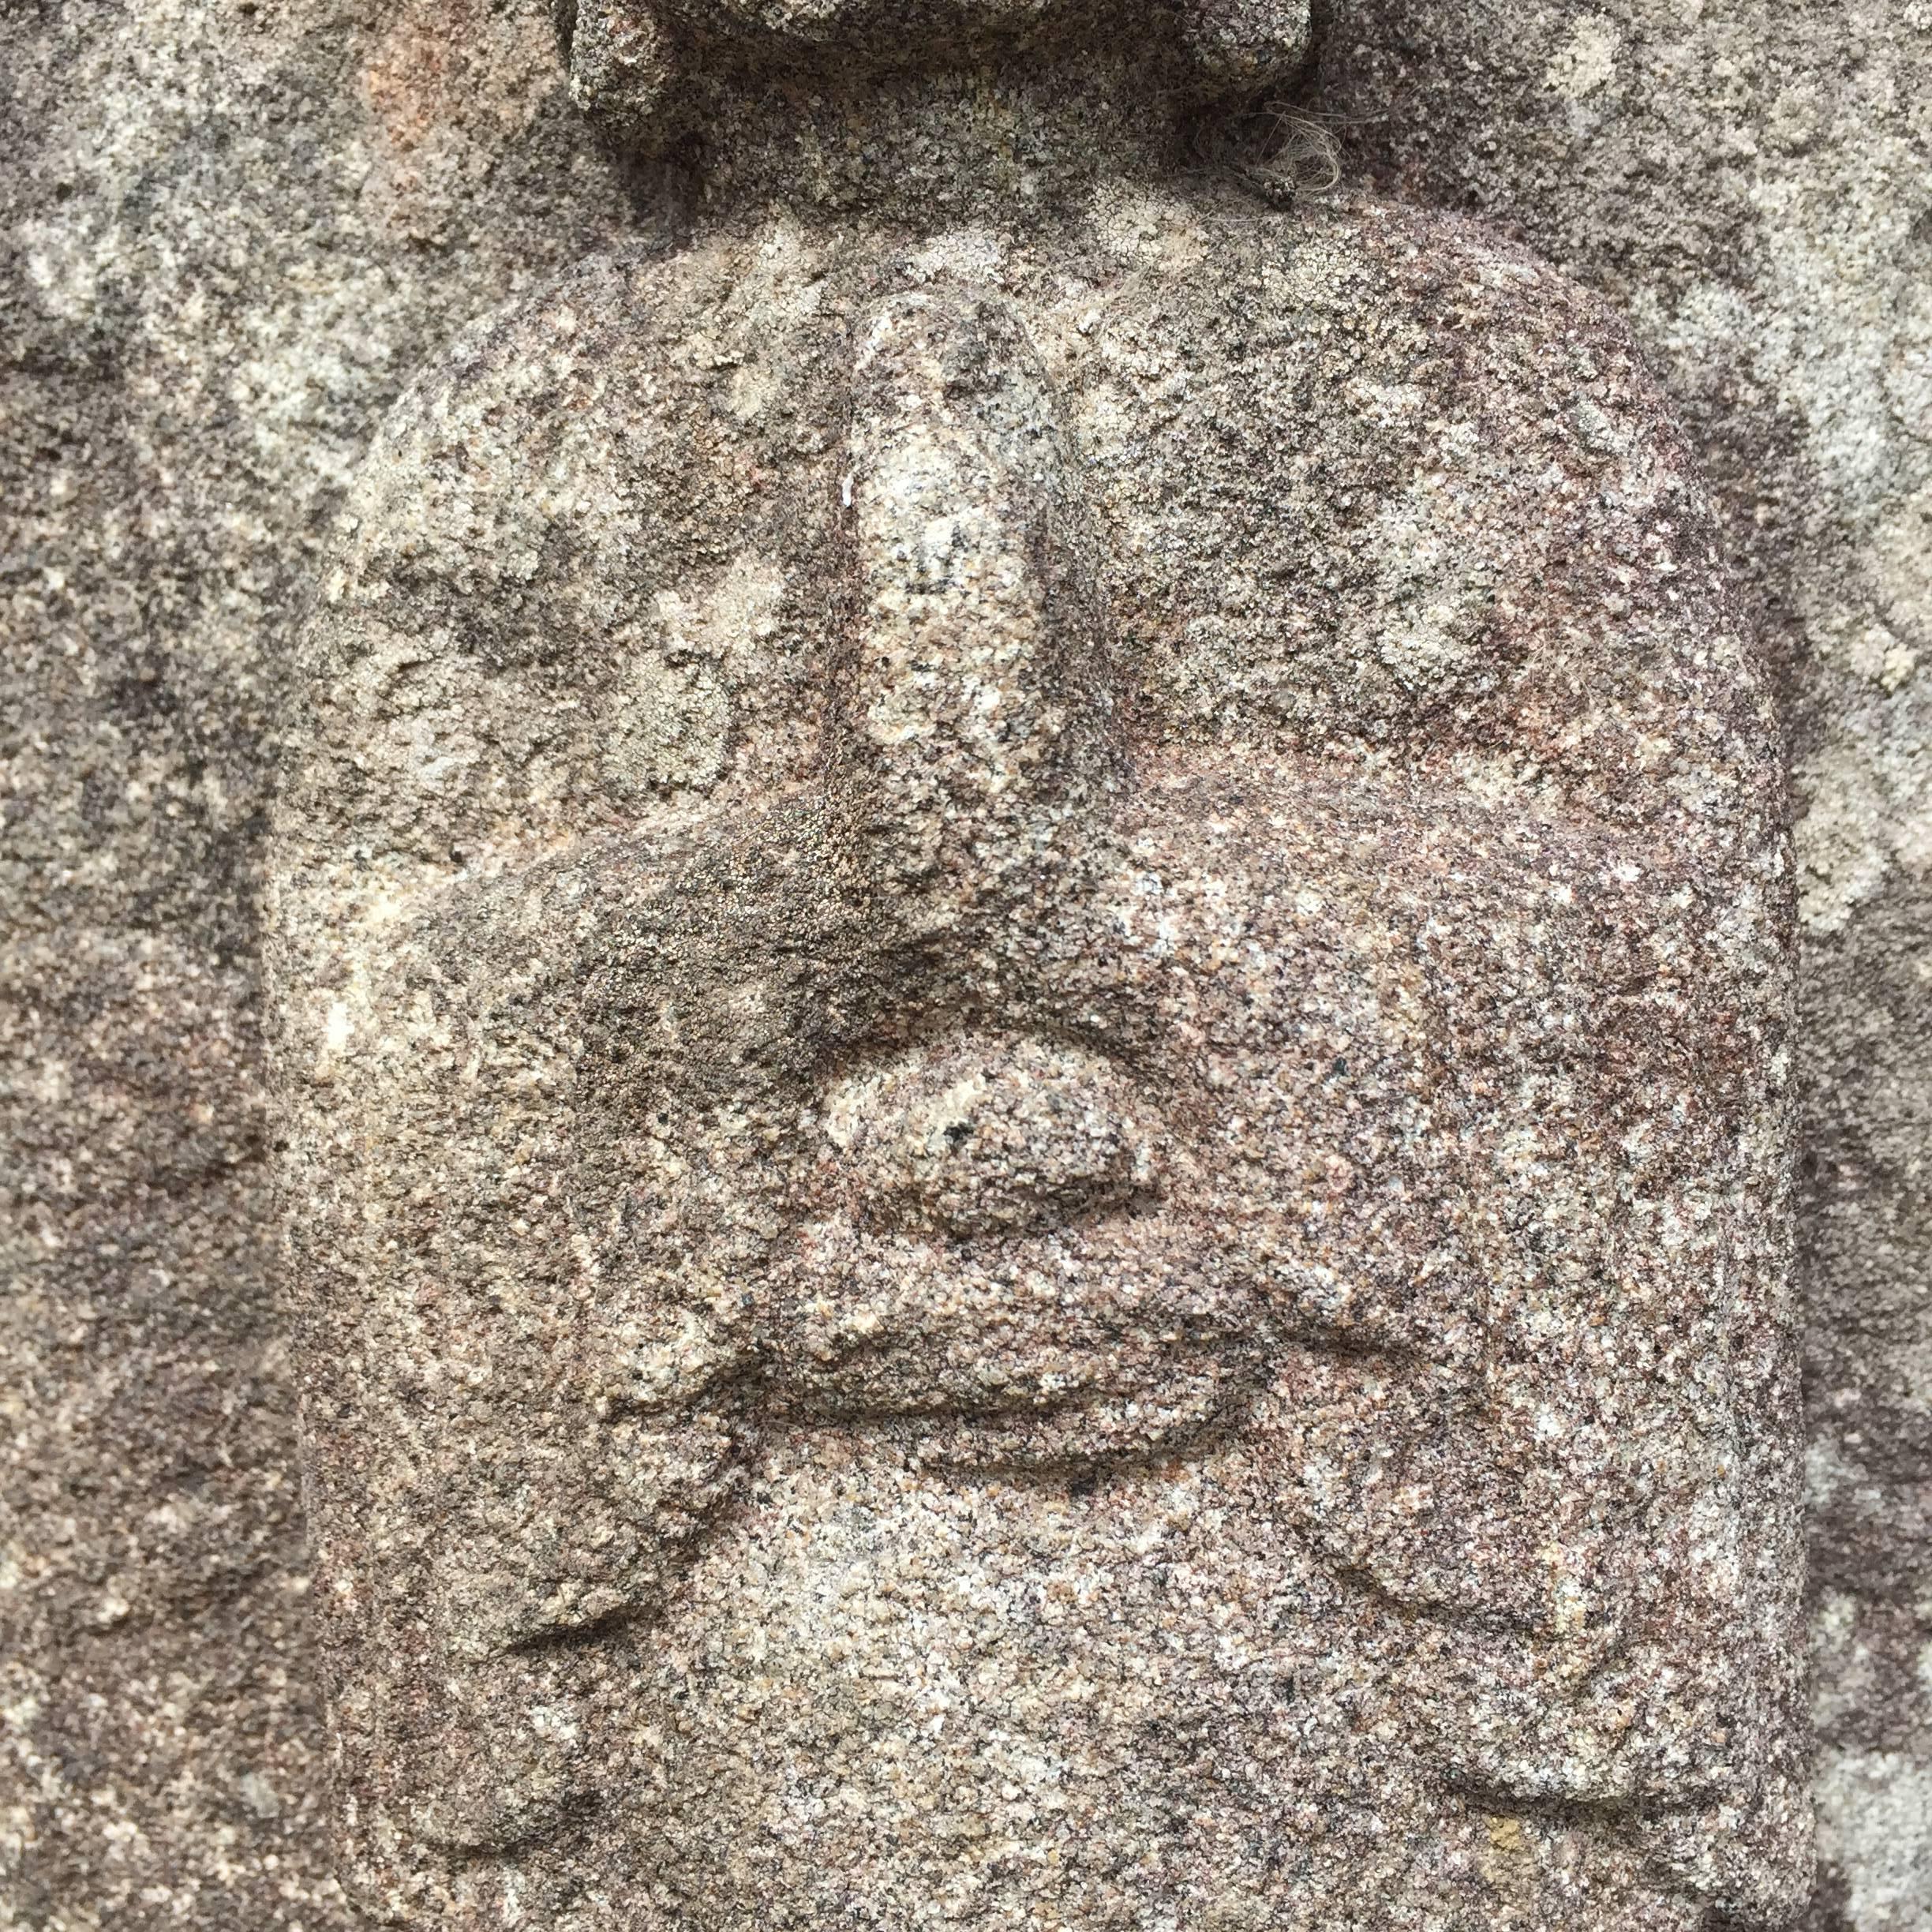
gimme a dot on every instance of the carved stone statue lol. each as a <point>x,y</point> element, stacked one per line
<point>1030,1000</point>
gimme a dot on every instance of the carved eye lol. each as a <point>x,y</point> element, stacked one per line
<point>983,1135</point>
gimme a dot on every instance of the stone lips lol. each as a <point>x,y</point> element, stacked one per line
<point>1419,882</point>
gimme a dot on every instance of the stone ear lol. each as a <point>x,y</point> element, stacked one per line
<point>1247,42</point>
<point>620,65</point>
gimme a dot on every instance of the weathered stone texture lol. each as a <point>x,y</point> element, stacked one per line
<point>235,231</point>
<point>230,233</point>
<point>1191,987</point>
<point>1752,184</point>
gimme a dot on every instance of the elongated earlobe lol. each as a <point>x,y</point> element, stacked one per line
<point>1247,44</point>
<point>620,65</point>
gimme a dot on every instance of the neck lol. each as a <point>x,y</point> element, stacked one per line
<point>1012,144</point>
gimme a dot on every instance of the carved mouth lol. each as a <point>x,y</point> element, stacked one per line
<point>1045,1418</point>
<point>979,1135</point>
<point>1106,1337</point>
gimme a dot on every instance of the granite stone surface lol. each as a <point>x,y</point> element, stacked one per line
<point>1752,184</point>
<point>1030,973</point>
<point>235,234</point>
<point>230,233</point>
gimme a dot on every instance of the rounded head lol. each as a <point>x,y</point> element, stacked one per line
<point>626,57</point>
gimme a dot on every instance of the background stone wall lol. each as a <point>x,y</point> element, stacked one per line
<point>232,229</point>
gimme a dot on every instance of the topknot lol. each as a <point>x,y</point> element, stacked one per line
<point>626,57</point>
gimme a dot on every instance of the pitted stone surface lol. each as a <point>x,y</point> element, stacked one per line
<point>228,233</point>
<point>1115,1252</point>
<point>236,229</point>
<point>1752,184</point>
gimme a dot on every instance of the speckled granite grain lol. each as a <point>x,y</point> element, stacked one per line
<point>234,231</point>
<point>1031,982</point>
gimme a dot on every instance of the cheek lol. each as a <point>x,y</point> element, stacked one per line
<point>1443,1112</point>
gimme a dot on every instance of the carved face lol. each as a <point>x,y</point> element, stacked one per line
<point>1002,993</point>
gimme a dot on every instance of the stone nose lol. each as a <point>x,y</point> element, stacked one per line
<point>972,702</point>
